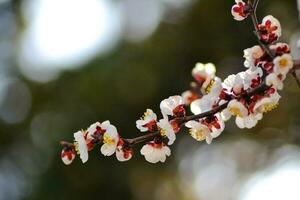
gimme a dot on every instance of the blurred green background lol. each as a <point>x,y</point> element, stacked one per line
<point>66,64</point>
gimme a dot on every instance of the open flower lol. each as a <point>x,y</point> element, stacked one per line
<point>270,29</point>
<point>248,121</point>
<point>283,64</point>
<point>267,103</point>
<point>67,155</point>
<point>252,55</point>
<point>81,145</point>
<point>239,11</point>
<point>94,130</point>
<point>166,129</point>
<point>234,83</point>
<point>203,74</point>
<point>236,108</point>
<point>206,129</point>
<point>147,122</point>
<point>110,139</point>
<point>252,78</point>
<point>173,106</point>
<point>198,130</point>
<point>155,152</point>
<point>207,101</point>
<point>275,80</point>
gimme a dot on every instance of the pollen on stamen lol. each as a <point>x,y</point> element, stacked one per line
<point>197,134</point>
<point>269,107</point>
<point>210,85</point>
<point>76,148</point>
<point>107,139</point>
<point>235,111</point>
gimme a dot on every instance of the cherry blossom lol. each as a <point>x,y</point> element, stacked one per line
<point>239,11</point>
<point>155,152</point>
<point>204,74</point>
<point>252,56</point>
<point>206,129</point>
<point>173,106</point>
<point>248,121</point>
<point>166,129</point>
<point>207,101</point>
<point>148,122</point>
<point>283,64</point>
<point>68,155</point>
<point>81,145</point>
<point>123,151</point>
<point>270,29</point>
<point>110,139</point>
<point>275,80</point>
<point>268,102</point>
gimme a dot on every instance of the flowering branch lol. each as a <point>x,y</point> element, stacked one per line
<point>247,96</point>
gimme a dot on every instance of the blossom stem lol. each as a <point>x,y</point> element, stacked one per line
<point>256,30</point>
<point>66,144</point>
<point>142,138</point>
<point>182,120</point>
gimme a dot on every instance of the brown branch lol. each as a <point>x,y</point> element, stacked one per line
<point>66,144</point>
<point>261,88</point>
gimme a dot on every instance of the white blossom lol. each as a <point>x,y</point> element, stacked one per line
<point>67,156</point>
<point>81,146</point>
<point>110,139</point>
<point>238,10</point>
<point>166,129</point>
<point>92,130</point>
<point>237,108</point>
<point>204,73</point>
<point>206,103</point>
<point>155,153</point>
<point>268,103</point>
<point>123,155</point>
<point>147,122</point>
<point>248,121</point>
<point>251,55</point>
<point>274,80</point>
<point>169,106</point>
<point>283,64</point>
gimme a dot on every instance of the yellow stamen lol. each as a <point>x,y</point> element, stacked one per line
<point>269,107</point>
<point>76,148</point>
<point>210,85</point>
<point>107,139</point>
<point>283,63</point>
<point>162,132</point>
<point>146,114</point>
<point>235,111</point>
<point>197,134</point>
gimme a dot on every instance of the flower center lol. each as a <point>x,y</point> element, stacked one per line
<point>76,148</point>
<point>197,134</point>
<point>210,85</point>
<point>236,111</point>
<point>269,107</point>
<point>107,139</point>
<point>162,132</point>
<point>146,114</point>
<point>283,63</point>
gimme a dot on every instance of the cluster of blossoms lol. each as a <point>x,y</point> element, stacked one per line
<point>106,134</point>
<point>247,96</point>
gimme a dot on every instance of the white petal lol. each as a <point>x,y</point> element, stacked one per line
<point>108,150</point>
